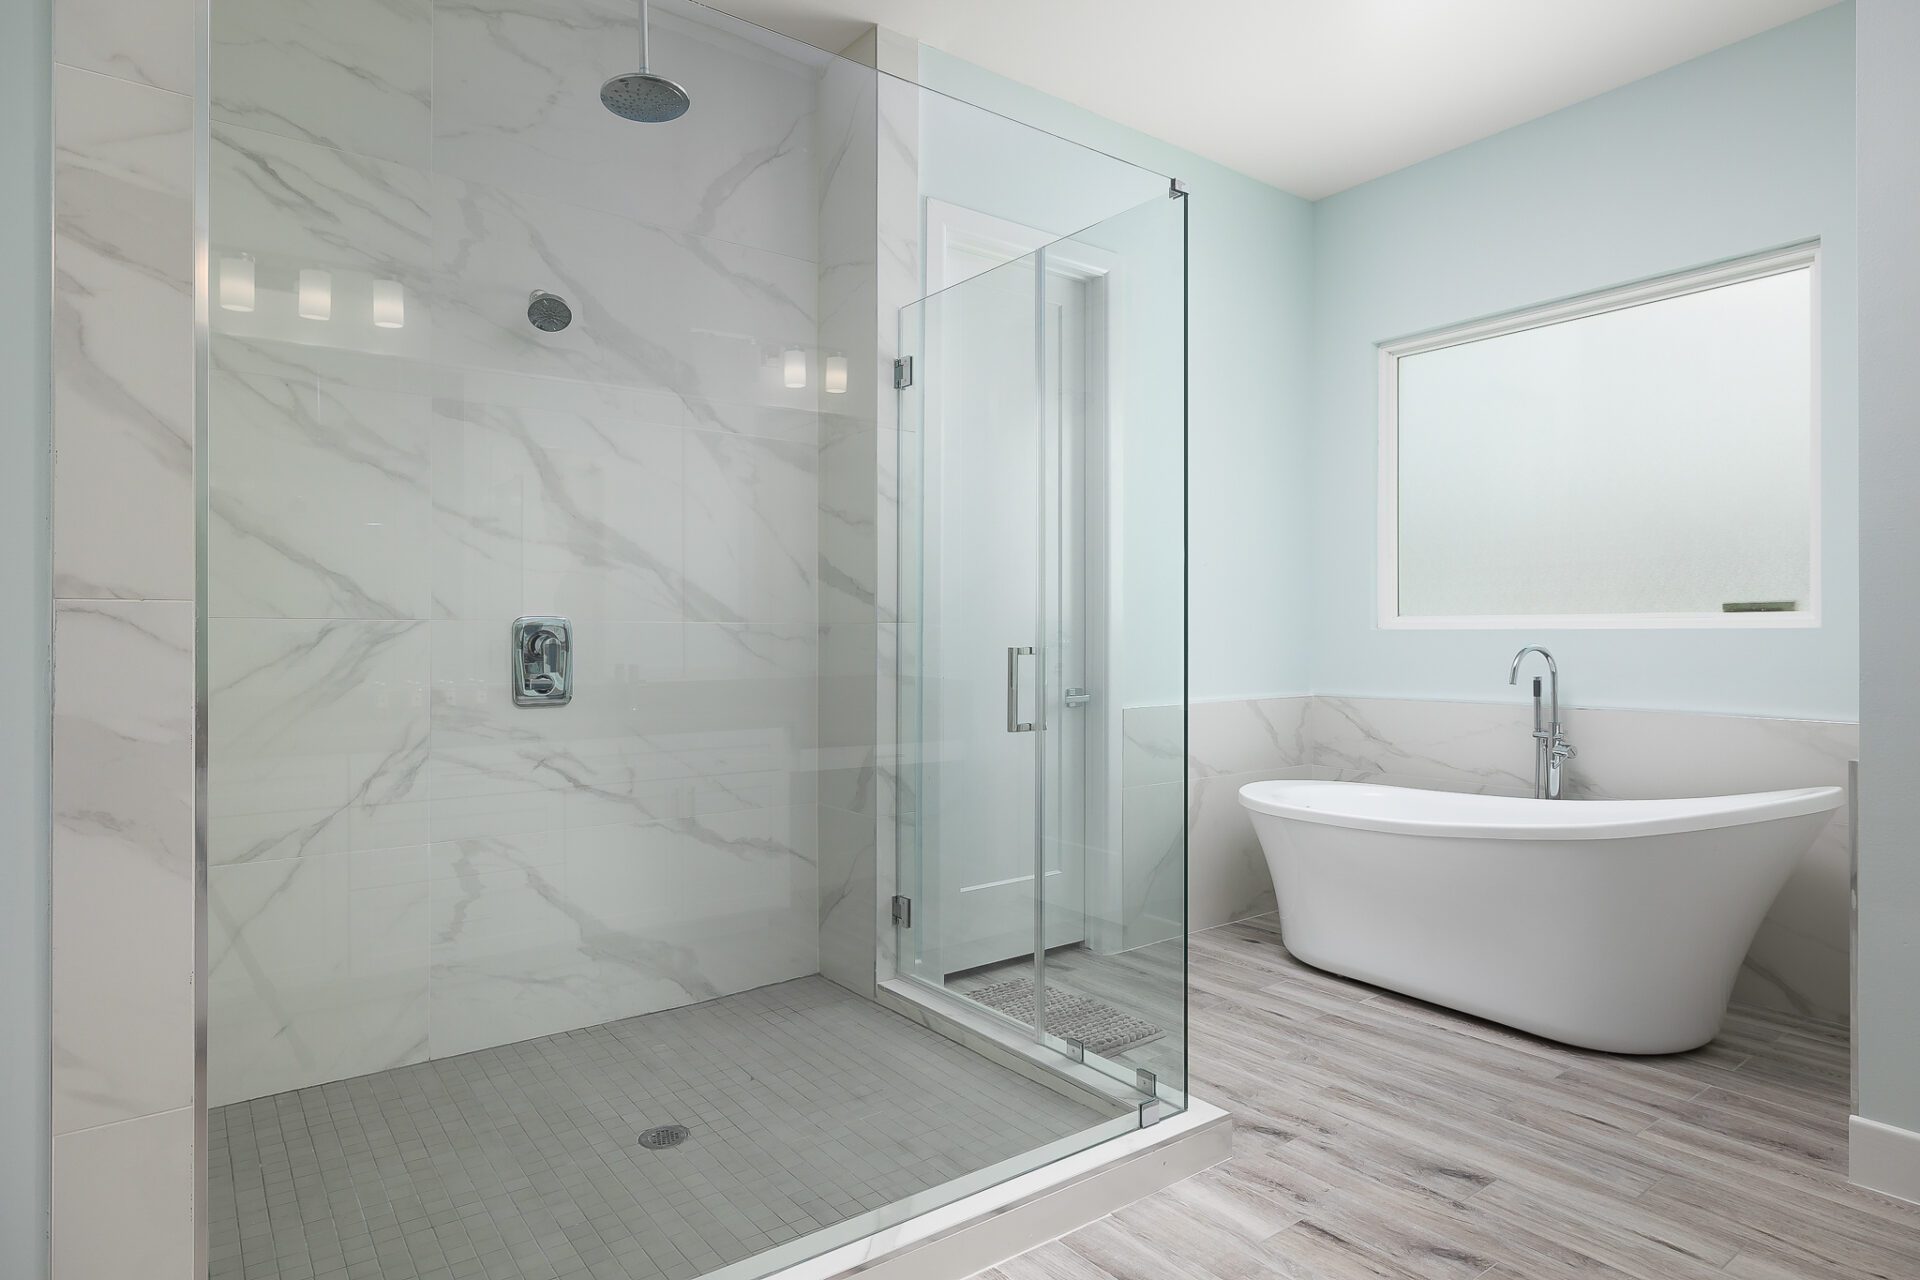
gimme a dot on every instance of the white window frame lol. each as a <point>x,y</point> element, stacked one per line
<point>1805,255</point>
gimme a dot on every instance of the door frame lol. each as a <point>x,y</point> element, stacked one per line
<point>950,230</point>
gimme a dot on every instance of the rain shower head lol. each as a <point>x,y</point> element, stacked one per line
<point>648,99</point>
<point>642,96</point>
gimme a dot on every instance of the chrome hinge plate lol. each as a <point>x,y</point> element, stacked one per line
<point>903,373</point>
<point>903,911</point>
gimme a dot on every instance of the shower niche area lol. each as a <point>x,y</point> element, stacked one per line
<point>671,598</point>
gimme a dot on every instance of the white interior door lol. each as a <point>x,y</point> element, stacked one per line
<point>1005,402</point>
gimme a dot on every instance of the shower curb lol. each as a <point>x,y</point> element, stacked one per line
<point>1002,1221</point>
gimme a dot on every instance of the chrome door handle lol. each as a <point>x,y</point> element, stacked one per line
<point>1014,723</point>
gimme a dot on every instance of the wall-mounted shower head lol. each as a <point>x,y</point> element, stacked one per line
<point>547,312</point>
<point>642,96</point>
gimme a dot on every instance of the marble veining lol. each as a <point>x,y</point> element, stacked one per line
<point>122,860</point>
<point>406,864</point>
<point>353,75</point>
<point>122,340</point>
<point>740,162</point>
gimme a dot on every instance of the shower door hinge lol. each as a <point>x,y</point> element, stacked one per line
<point>903,911</point>
<point>903,373</point>
<point>1175,188</point>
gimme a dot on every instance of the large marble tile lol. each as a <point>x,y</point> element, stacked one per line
<point>628,919</point>
<point>320,499</point>
<point>123,1200</point>
<point>733,309</point>
<point>555,512</point>
<point>740,160</point>
<point>123,861</point>
<point>350,74</point>
<point>122,340</point>
<point>1226,870</point>
<point>1473,745</point>
<point>149,42</point>
<point>848,569</point>
<point>847,887</point>
<point>316,969</point>
<point>1153,745</point>
<point>319,735</point>
<point>666,721</point>
<point>1153,864</point>
<point>507,943</point>
<point>1239,736</point>
<point>751,530</point>
<point>296,206</point>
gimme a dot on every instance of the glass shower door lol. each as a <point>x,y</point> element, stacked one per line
<point>970,413</point>
<point>1042,522</point>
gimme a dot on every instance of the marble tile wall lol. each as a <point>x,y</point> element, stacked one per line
<point>1800,958</point>
<point>123,913</point>
<point>403,863</point>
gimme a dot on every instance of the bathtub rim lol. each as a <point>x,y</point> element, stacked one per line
<point>1477,816</point>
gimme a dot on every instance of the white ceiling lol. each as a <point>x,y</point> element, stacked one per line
<point>1312,96</point>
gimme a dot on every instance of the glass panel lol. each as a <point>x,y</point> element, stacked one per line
<point>972,415</point>
<point>1056,379</point>
<point>547,557</point>
<point>1114,387</point>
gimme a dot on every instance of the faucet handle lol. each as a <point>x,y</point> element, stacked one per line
<point>1563,750</point>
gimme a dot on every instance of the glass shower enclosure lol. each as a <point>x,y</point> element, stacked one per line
<point>1042,653</point>
<point>694,646</point>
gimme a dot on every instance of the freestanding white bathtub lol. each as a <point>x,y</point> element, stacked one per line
<point>1612,924</point>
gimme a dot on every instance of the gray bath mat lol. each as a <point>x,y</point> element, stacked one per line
<point>1095,1023</point>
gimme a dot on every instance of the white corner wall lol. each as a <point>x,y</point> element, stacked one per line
<point>1886,1149</point>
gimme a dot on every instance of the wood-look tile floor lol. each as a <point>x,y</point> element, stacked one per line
<point>1379,1138</point>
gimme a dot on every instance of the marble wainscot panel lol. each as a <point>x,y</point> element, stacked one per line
<point>1799,961</point>
<point>1229,744</point>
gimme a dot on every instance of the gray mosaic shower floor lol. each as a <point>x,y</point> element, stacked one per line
<point>807,1105</point>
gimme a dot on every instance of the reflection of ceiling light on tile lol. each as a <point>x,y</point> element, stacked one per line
<point>794,368</point>
<point>834,380</point>
<point>316,294</point>
<point>389,304</point>
<point>236,282</point>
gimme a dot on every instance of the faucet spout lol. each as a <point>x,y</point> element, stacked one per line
<point>1551,750</point>
<point>1553,675</point>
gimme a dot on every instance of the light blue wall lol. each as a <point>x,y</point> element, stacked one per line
<point>25,131</point>
<point>1249,270</point>
<point>1742,149</point>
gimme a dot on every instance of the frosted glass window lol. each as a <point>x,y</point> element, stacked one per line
<point>1647,454</point>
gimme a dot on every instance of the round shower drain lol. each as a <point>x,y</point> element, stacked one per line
<point>666,1135</point>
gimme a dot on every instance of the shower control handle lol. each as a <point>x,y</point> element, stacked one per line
<point>1014,723</point>
<point>542,662</point>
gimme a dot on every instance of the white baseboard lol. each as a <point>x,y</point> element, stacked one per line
<point>1883,1158</point>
